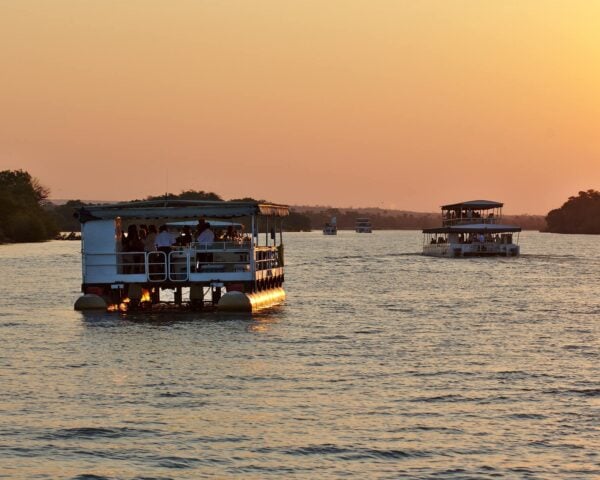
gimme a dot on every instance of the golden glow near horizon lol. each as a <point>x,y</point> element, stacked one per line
<point>386,103</point>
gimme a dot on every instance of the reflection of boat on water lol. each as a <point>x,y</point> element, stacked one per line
<point>472,228</point>
<point>233,272</point>
<point>330,228</point>
<point>363,225</point>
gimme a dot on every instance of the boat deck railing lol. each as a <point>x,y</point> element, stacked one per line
<point>503,239</point>
<point>183,262</point>
<point>448,222</point>
<point>486,243</point>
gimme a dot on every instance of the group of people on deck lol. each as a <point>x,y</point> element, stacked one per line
<point>476,238</point>
<point>147,238</point>
<point>466,214</point>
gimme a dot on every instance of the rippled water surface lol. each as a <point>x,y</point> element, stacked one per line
<point>381,364</point>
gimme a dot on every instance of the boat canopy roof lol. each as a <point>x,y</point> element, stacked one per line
<point>473,204</point>
<point>179,210</point>
<point>474,228</point>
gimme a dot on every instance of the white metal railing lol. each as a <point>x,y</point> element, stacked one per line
<point>445,244</point>
<point>177,266</point>
<point>266,258</point>
<point>497,241</point>
<point>470,220</point>
<point>222,246</point>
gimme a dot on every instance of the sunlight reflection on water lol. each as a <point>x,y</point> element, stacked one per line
<point>382,364</point>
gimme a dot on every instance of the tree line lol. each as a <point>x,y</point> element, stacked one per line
<point>384,219</point>
<point>26,214</point>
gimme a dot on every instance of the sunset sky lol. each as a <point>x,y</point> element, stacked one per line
<point>381,103</point>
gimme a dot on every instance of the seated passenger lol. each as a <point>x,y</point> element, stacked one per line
<point>164,240</point>
<point>231,233</point>
<point>150,241</point>
<point>186,237</point>
<point>205,239</point>
<point>206,235</point>
<point>219,236</point>
<point>133,263</point>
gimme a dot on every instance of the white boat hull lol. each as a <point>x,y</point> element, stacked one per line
<point>488,249</point>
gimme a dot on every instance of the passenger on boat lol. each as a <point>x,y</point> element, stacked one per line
<point>133,263</point>
<point>186,237</point>
<point>164,240</point>
<point>150,248</point>
<point>231,234</point>
<point>205,239</point>
<point>219,236</point>
<point>206,234</point>
<point>150,242</point>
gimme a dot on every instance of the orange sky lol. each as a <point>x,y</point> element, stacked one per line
<point>390,103</point>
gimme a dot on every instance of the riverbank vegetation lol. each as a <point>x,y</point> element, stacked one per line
<point>25,213</point>
<point>580,214</point>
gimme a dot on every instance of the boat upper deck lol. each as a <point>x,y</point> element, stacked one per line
<point>472,212</point>
<point>109,256</point>
<point>474,228</point>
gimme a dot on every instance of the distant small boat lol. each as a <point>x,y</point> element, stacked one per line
<point>472,229</point>
<point>331,227</point>
<point>363,225</point>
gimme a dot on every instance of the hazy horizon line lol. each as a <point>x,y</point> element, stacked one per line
<point>62,201</point>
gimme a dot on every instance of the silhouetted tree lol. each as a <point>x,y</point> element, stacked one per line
<point>580,214</point>
<point>188,195</point>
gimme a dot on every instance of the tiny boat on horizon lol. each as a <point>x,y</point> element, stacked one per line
<point>472,229</point>
<point>330,228</point>
<point>363,225</point>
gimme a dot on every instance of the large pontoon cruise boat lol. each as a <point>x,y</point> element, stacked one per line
<point>472,228</point>
<point>232,271</point>
<point>363,225</point>
<point>330,228</point>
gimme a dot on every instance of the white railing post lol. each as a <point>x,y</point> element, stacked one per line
<point>253,252</point>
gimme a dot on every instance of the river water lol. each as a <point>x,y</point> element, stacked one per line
<point>382,364</point>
